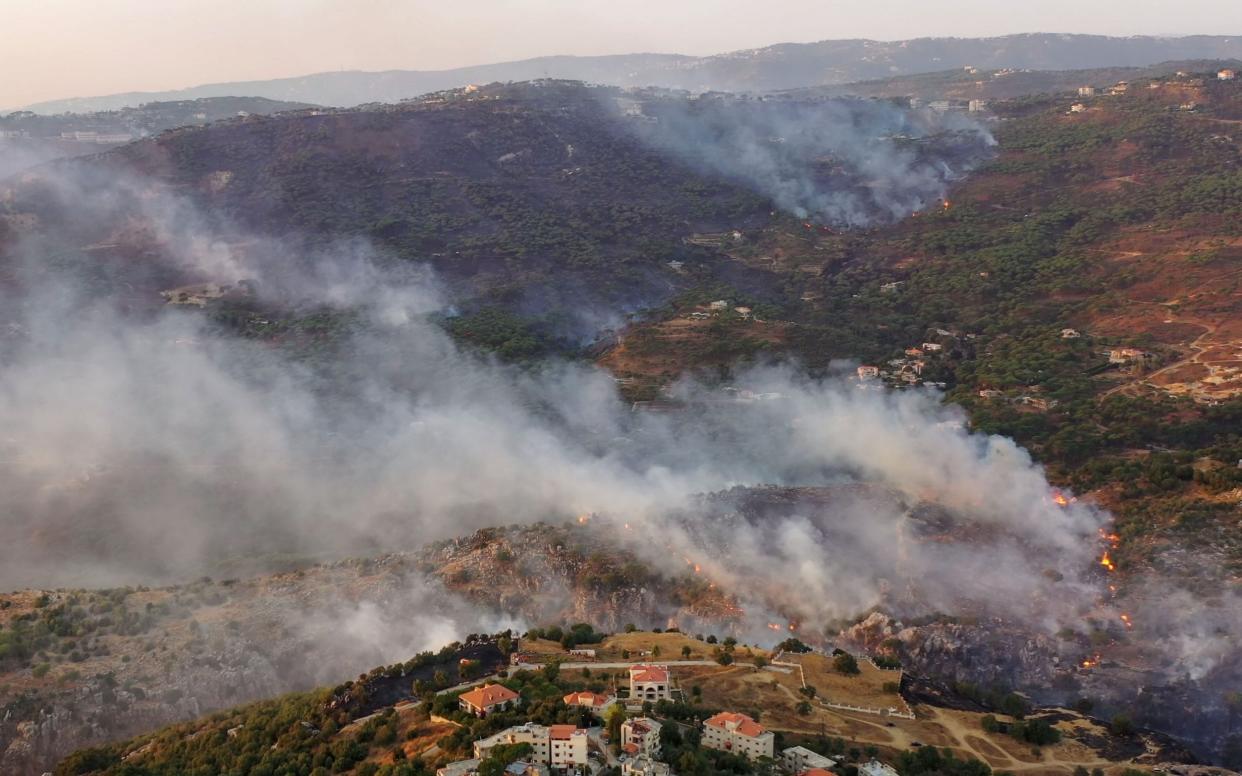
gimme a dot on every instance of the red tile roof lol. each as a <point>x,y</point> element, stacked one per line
<point>740,723</point>
<point>488,695</point>
<point>816,772</point>
<point>586,699</point>
<point>561,732</point>
<point>648,674</point>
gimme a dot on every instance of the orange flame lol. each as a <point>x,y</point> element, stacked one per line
<point>1060,498</point>
<point>1107,562</point>
<point>1125,618</point>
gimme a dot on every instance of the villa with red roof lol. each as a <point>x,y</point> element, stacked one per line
<point>592,702</point>
<point>650,683</point>
<point>482,701</point>
<point>730,731</point>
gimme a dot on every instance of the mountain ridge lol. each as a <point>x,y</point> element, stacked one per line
<point>779,66</point>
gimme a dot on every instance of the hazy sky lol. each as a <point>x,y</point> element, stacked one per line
<point>68,48</point>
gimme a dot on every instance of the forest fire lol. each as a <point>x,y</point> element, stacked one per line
<point>1125,619</point>
<point>1107,562</point>
<point>1091,662</point>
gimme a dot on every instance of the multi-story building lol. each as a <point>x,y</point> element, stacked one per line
<point>799,760</point>
<point>650,683</point>
<point>640,736</point>
<point>730,731</point>
<point>558,746</point>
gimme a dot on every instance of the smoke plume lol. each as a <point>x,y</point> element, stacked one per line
<point>842,161</point>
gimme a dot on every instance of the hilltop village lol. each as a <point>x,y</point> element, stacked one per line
<point>571,701</point>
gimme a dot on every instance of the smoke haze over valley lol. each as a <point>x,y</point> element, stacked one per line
<point>294,390</point>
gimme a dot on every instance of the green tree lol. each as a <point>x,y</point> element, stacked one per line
<point>845,663</point>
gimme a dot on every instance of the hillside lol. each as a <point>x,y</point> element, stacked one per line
<point>975,83</point>
<point>783,66</point>
<point>1093,231</point>
<point>403,719</point>
<point>28,139</point>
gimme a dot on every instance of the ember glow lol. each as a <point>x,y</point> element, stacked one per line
<point>1107,562</point>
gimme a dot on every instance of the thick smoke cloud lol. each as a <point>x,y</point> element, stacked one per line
<point>145,442</point>
<point>841,161</point>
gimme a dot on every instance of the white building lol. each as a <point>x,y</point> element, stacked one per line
<point>640,736</point>
<point>650,683</point>
<point>977,106</point>
<point>799,759</point>
<point>876,768</point>
<point>643,765</point>
<point>459,768</point>
<point>932,347</point>
<point>730,731</point>
<point>1227,74</point>
<point>868,372</point>
<point>558,746</point>
<point>719,305</point>
<point>1086,91</point>
<point>1070,334</point>
<point>1078,107</point>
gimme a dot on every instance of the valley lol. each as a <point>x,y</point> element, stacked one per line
<point>291,396</point>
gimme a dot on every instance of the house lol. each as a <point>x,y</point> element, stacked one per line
<point>113,138</point>
<point>1121,87</point>
<point>940,106</point>
<point>742,311</point>
<point>459,768</point>
<point>482,701</point>
<point>799,759</point>
<point>730,731</point>
<point>892,287</point>
<point>642,765</point>
<point>914,352</point>
<point>1086,91</point>
<point>582,652</point>
<point>1078,107</point>
<point>989,393</point>
<point>650,683</point>
<point>932,347</point>
<point>1070,334</point>
<point>816,772</point>
<point>977,106</point>
<point>876,768</point>
<point>640,736</point>
<point>559,746</point>
<point>592,702</point>
<point>1227,75</point>
<point>1125,355</point>
<point>868,372</point>
<point>720,305</point>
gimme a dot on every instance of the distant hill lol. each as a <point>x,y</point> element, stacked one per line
<point>28,139</point>
<point>1006,84</point>
<point>782,66</point>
